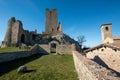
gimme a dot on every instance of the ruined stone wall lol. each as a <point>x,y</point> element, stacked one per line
<point>8,35</point>
<point>44,48</point>
<point>15,32</point>
<point>61,49</point>
<point>8,56</point>
<point>89,70</point>
<point>111,57</point>
<point>64,49</point>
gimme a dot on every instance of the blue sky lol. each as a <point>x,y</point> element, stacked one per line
<point>78,17</point>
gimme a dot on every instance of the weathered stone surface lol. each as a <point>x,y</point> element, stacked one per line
<point>89,70</point>
<point>9,56</point>
<point>109,56</point>
<point>16,35</point>
<point>22,69</point>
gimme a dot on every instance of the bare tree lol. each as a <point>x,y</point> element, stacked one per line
<point>81,40</point>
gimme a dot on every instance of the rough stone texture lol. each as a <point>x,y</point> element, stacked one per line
<point>64,49</point>
<point>44,48</point>
<point>8,56</point>
<point>61,49</point>
<point>22,69</point>
<point>36,49</point>
<point>51,20</point>
<point>89,70</point>
<point>8,35</point>
<point>15,32</point>
<point>109,56</point>
<point>106,31</point>
<point>16,35</point>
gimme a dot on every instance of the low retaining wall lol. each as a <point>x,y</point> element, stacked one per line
<point>89,70</point>
<point>8,56</point>
<point>64,49</point>
<point>61,49</point>
<point>44,48</point>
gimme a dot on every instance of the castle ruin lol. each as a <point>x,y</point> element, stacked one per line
<point>16,35</point>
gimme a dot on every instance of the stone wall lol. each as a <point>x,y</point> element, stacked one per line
<point>8,56</point>
<point>44,48</point>
<point>111,57</point>
<point>117,41</point>
<point>89,70</point>
<point>61,49</point>
<point>64,49</point>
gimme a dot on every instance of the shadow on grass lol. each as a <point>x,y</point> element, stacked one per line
<point>8,66</point>
<point>102,63</point>
<point>28,71</point>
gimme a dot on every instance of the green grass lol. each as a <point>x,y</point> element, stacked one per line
<point>48,67</point>
<point>11,49</point>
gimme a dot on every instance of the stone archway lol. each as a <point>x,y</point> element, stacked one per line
<point>53,46</point>
<point>22,38</point>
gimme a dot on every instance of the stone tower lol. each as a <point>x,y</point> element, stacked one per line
<point>16,35</point>
<point>16,32</point>
<point>106,31</point>
<point>59,28</point>
<point>51,20</point>
<point>8,34</point>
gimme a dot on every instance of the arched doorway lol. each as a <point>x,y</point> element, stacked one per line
<point>22,38</point>
<point>53,48</point>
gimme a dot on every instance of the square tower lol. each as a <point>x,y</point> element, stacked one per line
<point>51,20</point>
<point>106,31</point>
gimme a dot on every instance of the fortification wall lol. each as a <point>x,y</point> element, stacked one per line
<point>9,56</point>
<point>44,48</point>
<point>64,49</point>
<point>107,55</point>
<point>61,49</point>
<point>89,70</point>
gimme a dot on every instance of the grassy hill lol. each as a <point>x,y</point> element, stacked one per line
<point>48,67</point>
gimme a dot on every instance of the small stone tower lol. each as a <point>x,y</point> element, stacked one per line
<point>51,20</point>
<point>59,28</point>
<point>106,31</point>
